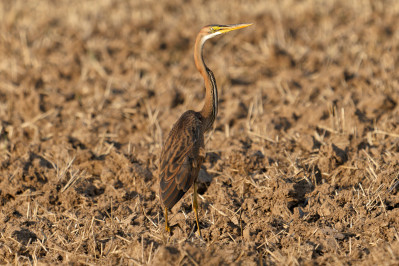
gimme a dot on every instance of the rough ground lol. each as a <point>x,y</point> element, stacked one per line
<point>302,166</point>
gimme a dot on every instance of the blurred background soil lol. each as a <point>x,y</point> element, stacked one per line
<point>302,165</point>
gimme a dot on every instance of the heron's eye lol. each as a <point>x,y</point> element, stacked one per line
<point>212,29</point>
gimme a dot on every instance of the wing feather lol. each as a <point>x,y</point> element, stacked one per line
<point>180,161</point>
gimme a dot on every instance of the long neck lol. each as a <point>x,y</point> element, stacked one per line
<point>210,108</point>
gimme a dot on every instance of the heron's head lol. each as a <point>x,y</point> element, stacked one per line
<point>213,30</point>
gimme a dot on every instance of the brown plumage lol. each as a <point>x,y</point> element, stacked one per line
<point>180,164</point>
<point>184,150</point>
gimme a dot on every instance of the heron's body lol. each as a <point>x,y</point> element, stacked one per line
<point>180,158</point>
<point>184,150</point>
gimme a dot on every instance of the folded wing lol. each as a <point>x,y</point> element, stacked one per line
<point>180,161</point>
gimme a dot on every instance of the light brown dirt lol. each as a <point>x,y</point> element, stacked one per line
<point>302,166</point>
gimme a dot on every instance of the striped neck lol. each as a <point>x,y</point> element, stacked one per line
<point>210,108</point>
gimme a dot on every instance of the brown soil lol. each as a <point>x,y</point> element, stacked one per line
<point>302,166</point>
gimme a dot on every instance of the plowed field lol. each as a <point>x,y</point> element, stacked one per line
<point>302,165</point>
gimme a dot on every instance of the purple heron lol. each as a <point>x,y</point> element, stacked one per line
<point>184,150</point>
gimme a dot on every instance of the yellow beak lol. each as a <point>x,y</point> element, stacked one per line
<point>227,28</point>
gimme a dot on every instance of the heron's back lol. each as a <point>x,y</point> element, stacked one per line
<point>180,161</point>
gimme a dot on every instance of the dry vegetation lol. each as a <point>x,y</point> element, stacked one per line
<point>302,166</point>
